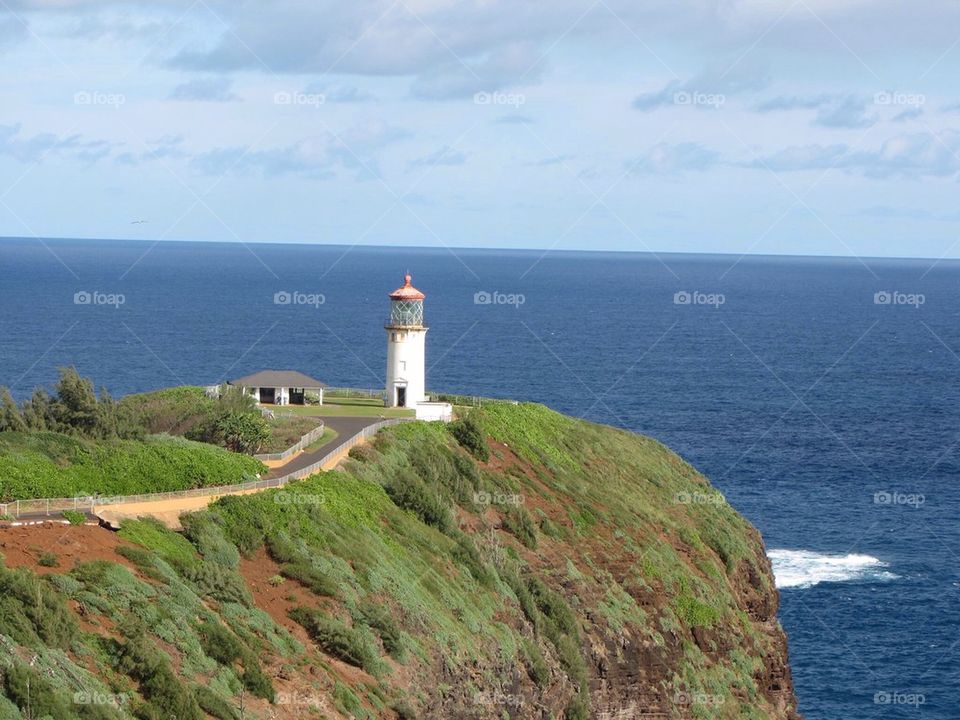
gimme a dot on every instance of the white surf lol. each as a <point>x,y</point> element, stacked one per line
<point>805,568</point>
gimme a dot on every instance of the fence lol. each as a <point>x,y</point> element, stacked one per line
<point>308,439</point>
<point>345,392</point>
<point>50,506</point>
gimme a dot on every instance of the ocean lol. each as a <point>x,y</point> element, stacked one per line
<point>821,396</point>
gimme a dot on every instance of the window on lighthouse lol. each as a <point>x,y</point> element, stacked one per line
<point>403,365</point>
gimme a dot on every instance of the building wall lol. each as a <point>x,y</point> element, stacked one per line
<point>406,365</point>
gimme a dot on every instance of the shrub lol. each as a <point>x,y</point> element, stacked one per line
<point>166,695</point>
<point>518,521</point>
<point>470,435</point>
<point>218,582</point>
<point>219,643</point>
<point>74,517</point>
<point>410,493</point>
<point>316,580</point>
<point>380,619</point>
<point>48,559</point>
<point>214,705</point>
<point>337,639</point>
<point>277,580</point>
<point>32,613</point>
<point>535,664</point>
<point>362,453</point>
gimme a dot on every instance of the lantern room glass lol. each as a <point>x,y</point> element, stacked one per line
<point>406,313</point>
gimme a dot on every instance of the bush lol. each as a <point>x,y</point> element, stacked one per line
<point>410,493</point>
<point>48,559</point>
<point>219,643</point>
<point>518,521</point>
<point>316,580</point>
<point>218,582</point>
<point>337,639</point>
<point>214,705</point>
<point>469,434</point>
<point>74,517</point>
<point>166,695</point>
<point>380,619</point>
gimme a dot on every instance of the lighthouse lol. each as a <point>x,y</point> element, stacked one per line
<point>406,347</point>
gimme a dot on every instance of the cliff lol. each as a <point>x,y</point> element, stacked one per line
<point>518,564</point>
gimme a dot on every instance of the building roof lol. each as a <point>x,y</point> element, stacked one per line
<point>407,292</point>
<point>278,378</point>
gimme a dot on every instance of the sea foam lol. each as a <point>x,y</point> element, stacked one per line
<point>805,568</point>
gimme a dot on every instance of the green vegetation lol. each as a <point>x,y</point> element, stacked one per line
<point>433,572</point>
<point>49,464</point>
<point>286,431</point>
<point>74,517</point>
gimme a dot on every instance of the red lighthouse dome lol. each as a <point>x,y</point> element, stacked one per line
<point>407,292</point>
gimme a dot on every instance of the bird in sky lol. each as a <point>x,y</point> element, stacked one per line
<point>139,222</point>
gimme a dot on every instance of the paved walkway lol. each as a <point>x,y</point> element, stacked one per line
<point>168,511</point>
<point>345,427</point>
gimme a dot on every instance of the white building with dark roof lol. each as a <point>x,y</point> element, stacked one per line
<point>280,387</point>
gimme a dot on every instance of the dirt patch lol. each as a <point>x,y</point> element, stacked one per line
<point>70,544</point>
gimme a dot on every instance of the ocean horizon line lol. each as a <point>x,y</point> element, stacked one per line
<point>492,249</point>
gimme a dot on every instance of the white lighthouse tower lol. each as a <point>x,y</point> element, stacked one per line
<point>406,347</point>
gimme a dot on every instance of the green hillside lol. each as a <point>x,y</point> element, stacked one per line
<point>519,564</point>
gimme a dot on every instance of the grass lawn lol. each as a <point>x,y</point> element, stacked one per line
<point>345,407</point>
<point>329,435</point>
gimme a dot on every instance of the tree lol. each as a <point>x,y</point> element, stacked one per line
<point>37,412</point>
<point>10,417</point>
<point>242,432</point>
<point>76,405</point>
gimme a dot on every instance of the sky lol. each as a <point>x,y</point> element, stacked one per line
<point>823,127</point>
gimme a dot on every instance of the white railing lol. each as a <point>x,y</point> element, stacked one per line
<point>89,503</point>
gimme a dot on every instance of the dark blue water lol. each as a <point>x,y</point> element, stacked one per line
<point>799,395</point>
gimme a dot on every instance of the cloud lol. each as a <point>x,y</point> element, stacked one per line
<point>37,147</point>
<point>911,156</point>
<point>457,78</point>
<point>718,83</point>
<point>845,112</point>
<point>205,90</point>
<point>793,102</point>
<point>318,157</point>
<point>909,114</point>
<point>339,93</point>
<point>665,159</point>
<point>833,110</point>
<point>444,156</point>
